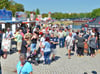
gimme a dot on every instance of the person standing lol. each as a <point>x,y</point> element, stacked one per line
<point>53,43</point>
<point>92,45</point>
<point>21,33</point>
<point>69,44</point>
<point>42,40</point>
<point>61,38</point>
<point>28,36</point>
<point>8,34</point>
<point>24,46</point>
<point>47,50</point>
<point>34,42</point>
<point>64,32</point>
<point>80,45</point>
<point>19,41</point>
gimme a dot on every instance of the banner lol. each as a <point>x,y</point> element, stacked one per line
<point>6,44</point>
<point>21,16</point>
<point>5,15</point>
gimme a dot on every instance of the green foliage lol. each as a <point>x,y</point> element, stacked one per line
<point>11,5</point>
<point>44,15</point>
<point>19,7</point>
<point>37,11</point>
<point>95,13</point>
<point>3,3</point>
<point>28,13</point>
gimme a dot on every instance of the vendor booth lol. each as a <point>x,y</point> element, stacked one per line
<point>95,23</point>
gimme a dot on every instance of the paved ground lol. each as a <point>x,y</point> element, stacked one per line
<point>63,65</point>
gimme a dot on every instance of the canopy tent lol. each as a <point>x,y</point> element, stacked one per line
<point>10,21</point>
<point>95,23</point>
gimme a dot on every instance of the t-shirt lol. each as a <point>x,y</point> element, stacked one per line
<point>69,41</point>
<point>54,39</point>
<point>28,36</point>
<point>92,42</point>
<point>73,35</point>
<point>27,68</point>
<point>64,33</point>
<point>67,33</point>
<point>60,34</point>
<point>8,33</point>
<point>42,39</point>
<point>55,34</point>
<point>19,38</point>
<point>80,42</point>
<point>47,46</point>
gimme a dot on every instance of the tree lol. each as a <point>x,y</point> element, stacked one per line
<point>19,7</point>
<point>11,5</point>
<point>4,3</point>
<point>44,15</point>
<point>28,13</point>
<point>95,13</point>
<point>37,11</point>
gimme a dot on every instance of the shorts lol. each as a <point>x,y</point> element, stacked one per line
<point>53,51</point>
<point>19,44</point>
<point>33,47</point>
<point>69,47</point>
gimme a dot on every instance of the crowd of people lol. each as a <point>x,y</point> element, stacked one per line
<point>82,42</point>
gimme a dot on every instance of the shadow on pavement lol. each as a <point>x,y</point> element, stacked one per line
<point>85,73</point>
<point>94,72</point>
<point>70,54</point>
<point>56,58</point>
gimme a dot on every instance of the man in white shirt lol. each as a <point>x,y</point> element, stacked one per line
<point>69,43</point>
<point>42,40</point>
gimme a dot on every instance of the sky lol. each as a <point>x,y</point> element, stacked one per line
<point>64,6</point>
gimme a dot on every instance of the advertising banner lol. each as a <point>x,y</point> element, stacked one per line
<point>5,15</point>
<point>21,16</point>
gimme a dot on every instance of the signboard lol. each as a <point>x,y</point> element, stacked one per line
<point>6,44</point>
<point>5,15</point>
<point>21,16</point>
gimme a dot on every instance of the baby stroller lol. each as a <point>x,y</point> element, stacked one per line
<point>35,57</point>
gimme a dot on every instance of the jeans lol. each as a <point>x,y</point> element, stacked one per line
<point>47,57</point>
<point>33,47</point>
<point>61,42</point>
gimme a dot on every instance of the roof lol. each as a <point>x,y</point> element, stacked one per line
<point>93,23</point>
